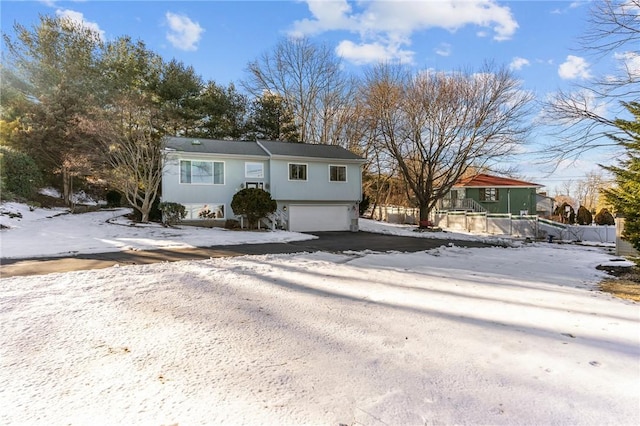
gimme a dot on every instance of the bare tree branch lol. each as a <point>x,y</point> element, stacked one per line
<point>435,125</point>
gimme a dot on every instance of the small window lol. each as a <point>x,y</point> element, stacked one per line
<point>337,173</point>
<point>205,211</point>
<point>259,185</point>
<point>202,172</point>
<point>254,170</point>
<point>297,171</point>
<point>489,194</point>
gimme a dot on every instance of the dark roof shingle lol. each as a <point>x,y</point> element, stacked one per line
<point>213,146</point>
<point>308,150</point>
<point>259,148</point>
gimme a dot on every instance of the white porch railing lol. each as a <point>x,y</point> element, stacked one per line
<point>277,220</point>
<point>460,204</point>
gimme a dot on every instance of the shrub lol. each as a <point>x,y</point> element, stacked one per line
<point>604,217</point>
<point>172,213</point>
<point>566,216</point>
<point>155,215</point>
<point>19,173</point>
<point>254,203</point>
<point>114,198</point>
<point>584,216</point>
<point>232,224</point>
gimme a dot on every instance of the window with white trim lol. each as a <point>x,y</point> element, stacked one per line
<point>297,171</point>
<point>337,173</point>
<point>205,211</point>
<point>254,170</point>
<point>489,194</point>
<point>202,172</point>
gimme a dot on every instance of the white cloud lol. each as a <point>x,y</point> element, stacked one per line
<point>380,25</point>
<point>518,63</point>
<point>78,19</point>
<point>183,33</point>
<point>573,68</point>
<point>444,49</point>
<point>367,53</point>
<point>629,63</point>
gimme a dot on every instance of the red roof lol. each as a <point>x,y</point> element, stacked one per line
<point>486,181</point>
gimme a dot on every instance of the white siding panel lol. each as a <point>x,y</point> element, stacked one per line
<point>308,218</point>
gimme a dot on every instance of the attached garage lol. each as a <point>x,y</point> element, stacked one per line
<point>308,218</point>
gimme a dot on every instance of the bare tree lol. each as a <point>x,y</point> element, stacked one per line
<point>310,80</point>
<point>133,150</point>
<point>584,116</point>
<point>137,169</point>
<point>435,125</point>
<point>132,123</point>
<point>588,190</point>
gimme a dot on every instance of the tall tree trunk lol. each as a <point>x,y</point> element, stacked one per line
<point>425,211</point>
<point>67,181</point>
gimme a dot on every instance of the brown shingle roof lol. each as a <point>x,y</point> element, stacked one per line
<point>487,181</point>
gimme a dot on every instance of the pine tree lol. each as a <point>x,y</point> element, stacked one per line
<point>625,196</point>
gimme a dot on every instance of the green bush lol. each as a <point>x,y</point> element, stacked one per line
<point>604,217</point>
<point>584,216</point>
<point>254,203</point>
<point>114,198</point>
<point>172,213</point>
<point>19,173</point>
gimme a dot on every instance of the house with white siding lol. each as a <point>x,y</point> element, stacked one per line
<point>316,187</point>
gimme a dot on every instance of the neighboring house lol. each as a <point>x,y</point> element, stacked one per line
<point>545,205</point>
<point>316,187</point>
<point>492,194</point>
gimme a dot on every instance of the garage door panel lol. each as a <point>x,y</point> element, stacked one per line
<point>319,218</point>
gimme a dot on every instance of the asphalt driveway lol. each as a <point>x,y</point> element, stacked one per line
<point>327,241</point>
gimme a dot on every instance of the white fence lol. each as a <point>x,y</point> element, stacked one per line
<point>501,224</point>
<point>623,247</point>
<point>395,214</point>
<point>596,233</point>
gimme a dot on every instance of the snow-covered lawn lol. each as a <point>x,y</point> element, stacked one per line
<point>55,232</point>
<point>448,336</point>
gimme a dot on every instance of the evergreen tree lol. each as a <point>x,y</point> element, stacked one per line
<point>584,216</point>
<point>254,203</point>
<point>222,113</point>
<point>52,76</point>
<point>604,217</point>
<point>271,119</point>
<point>625,196</point>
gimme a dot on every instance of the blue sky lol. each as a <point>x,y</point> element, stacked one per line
<point>538,40</point>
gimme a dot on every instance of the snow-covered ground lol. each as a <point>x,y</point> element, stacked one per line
<point>55,232</point>
<point>448,336</point>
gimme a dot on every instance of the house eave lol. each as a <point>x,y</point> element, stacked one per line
<point>185,154</point>
<point>318,159</point>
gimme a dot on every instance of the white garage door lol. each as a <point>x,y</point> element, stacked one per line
<point>319,218</point>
